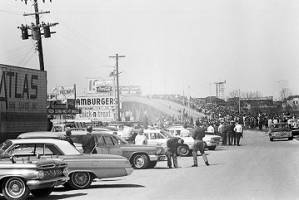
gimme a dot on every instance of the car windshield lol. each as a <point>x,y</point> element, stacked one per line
<point>166,134</point>
<point>122,141</point>
<point>68,149</point>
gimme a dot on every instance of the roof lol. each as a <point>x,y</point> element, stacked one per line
<point>40,140</point>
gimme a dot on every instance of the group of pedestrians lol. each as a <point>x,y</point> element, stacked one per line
<point>231,133</point>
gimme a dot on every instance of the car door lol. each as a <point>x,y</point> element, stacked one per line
<point>101,145</point>
<point>112,145</point>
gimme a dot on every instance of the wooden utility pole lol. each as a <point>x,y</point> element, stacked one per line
<point>39,42</point>
<point>36,31</point>
<point>117,84</point>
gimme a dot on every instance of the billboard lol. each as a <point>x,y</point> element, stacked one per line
<point>62,93</point>
<point>23,100</point>
<point>96,108</point>
<point>96,86</point>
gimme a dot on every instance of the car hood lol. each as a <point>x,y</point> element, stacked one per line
<point>94,156</point>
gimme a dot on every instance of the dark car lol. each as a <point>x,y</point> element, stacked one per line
<point>140,156</point>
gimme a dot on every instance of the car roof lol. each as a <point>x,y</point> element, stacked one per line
<point>39,140</point>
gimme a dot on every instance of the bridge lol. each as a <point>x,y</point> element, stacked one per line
<point>163,106</point>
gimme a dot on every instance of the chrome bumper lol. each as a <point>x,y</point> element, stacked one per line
<point>157,157</point>
<point>37,184</point>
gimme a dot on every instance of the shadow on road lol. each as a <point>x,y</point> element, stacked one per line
<point>62,189</point>
<point>62,196</point>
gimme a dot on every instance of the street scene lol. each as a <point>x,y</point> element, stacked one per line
<point>246,172</point>
<point>137,99</point>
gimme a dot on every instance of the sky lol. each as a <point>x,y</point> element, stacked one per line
<point>171,46</point>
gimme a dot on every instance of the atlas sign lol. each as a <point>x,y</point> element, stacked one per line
<point>22,89</point>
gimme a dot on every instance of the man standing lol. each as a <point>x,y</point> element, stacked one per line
<point>221,131</point>
<point>197,135</point>
<point>68,134</point>
<point>140,139</point>
<point>171,153</point>
<point>230,133</point>
<point>88,142</point>
<point>238,133</point>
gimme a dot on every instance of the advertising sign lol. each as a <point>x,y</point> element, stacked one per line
<point>22,90</point>
<point>23,100</point>
<point>96,108</point>
<point>100,86</point>
<point>62,93</point>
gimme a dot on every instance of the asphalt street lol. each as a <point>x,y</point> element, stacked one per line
<point>258,169</point>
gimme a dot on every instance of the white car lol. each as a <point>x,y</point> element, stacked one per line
<point>159,137</point>
<point>211,140</point>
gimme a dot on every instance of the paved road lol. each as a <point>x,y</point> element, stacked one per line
<point>258,169</point>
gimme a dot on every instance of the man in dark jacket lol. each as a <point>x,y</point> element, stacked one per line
<point>88,142</point>
<point>198,134</point>
<point>171,153</point>
<point>68,134</point>
<point>230,132</point>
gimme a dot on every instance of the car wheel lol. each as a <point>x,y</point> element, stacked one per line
<point>80,180</point>
<point>152,164</point>
<point>271,139</point>
<point>42,192</point>
<point>290,138</point>
<point>14,188</point>
<point>183,150</point>
<point>140,161</point>
<point>212,147</point>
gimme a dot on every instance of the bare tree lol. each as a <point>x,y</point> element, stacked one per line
<point>251,94</point>
<point>284,94</point>
<point>234,93</point>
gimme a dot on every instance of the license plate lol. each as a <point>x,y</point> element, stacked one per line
<point>162,158</point>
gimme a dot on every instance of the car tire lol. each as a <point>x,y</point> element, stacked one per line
<point>42,192</point>
<point>14,188</point>
<point>152,164</point>
<point>80,180</point>
<point>212,148</point>
<point>183,150</point>
<point>140,161</point>
<point>290,138</point>
<point>271,139</point>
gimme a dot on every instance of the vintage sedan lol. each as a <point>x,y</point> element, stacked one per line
<point>83,168</point>
<point>280,131</point>
<point>19,177</point>
<point>140,156</point>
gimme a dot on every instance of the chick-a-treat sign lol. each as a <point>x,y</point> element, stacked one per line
<point>96,108</point>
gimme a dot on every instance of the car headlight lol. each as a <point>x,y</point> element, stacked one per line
<point>65,172</point>
<point>41,174</point>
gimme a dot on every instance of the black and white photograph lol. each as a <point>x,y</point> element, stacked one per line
<point>149,99</point>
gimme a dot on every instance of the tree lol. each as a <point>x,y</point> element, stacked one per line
<point>284,94</point>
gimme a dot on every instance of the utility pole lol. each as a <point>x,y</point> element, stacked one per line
<point>36,31</point>
<point>239,101</point>
<point>117,84</point>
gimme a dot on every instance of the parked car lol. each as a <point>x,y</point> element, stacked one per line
<point>19,177</point>
<point>83,168</point>
<point>280,131</point>
<point>140,156</point>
